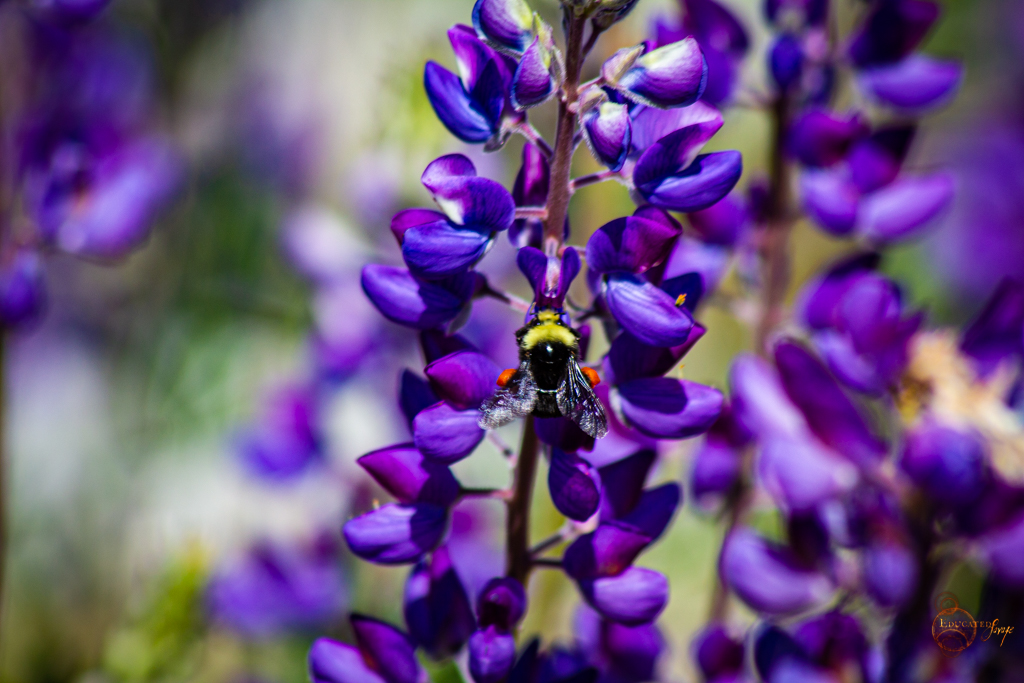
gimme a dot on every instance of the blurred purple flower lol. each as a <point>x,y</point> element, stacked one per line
<point>22,288</point>
<point>285,439</point>
<point>382,654</point>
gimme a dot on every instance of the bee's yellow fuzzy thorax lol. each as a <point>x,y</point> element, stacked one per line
<point>549,329</point>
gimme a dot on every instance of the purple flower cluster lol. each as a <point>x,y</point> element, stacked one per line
<point>91,171</point>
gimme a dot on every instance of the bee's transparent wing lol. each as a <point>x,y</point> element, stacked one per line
<point>577,401</point>
<point>516,399</point>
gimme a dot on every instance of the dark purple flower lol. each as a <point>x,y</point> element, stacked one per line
<point>723,223</point>
<point>410,477</point>
<point>532,83</point>
<point>275,588</point>
<point>892,30</point>
<point>400,533</point>
<point>492,648</point>
<point>819,137</point>
<point>422,305</point>
<point>785,61</point>
<point>382,654</point>
<point>22,288</point>
<point>768,577</point>
<point>621,653</point>
<point>1000,548</point>
<point>915,85</point>
<point>439,245</point>
<point>574,485</point>
<point>716,466</point>
<point>673,75</point>
<point>67,11</point>
<point>437,609</point>
<point>285,440</point>
<point>348,328</point>
<point>890,571</point>
<point>549,277</point>
<point>607,130</point>
<point>996,335</point>
<point>530,189</point>
<point>717,653</point>
<point>472,107</point>
<point>948,464</point>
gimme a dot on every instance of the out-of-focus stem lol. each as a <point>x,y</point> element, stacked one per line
<point>3,472</point>
<point>519,560</point>
<point>778,223</point>
<point>561,162</point>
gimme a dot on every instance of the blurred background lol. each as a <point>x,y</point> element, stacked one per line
<point>303,126</point>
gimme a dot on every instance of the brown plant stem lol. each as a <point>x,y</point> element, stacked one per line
<point>518,559</point>
<point>775,273</point>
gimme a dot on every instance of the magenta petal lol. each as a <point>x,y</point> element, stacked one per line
<point>574,488</point>
<point>668,408</point>
<point>532,83</point>
<point>914,84</point>
<point>704,182</point>
<point>445,433</point>
<point>767,578</point>
<point>408,476</point>
<point>650,314</point>
<point>508,24</point>
<point>334,662</point>
<point>800,474</point>
<point>391,651</point>
<point>831,414</point>
<point>412,218</point>
<point>831,200</point>
<point>651,124</point>
<point>671,76</point>
<point>900,210</point>
<point>606,551</point>
<point>607,130</point>
<point>636,596</point>
<point>464,378</point>
<point>491,655</point>
<point>396,534</point>
<point>630,244</point>
<point>822,138</point>
<point>403,299</point>
<point>453,106</point>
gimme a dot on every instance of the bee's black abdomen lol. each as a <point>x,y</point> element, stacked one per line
<point>548,361</point>
<point>546,405</point>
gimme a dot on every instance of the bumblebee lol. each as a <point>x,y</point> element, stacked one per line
<point>549,381</point>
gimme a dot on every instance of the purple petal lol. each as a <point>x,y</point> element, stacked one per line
<point>821,297</point>
<point>22,288</point>
<point>472,55</point>
<point>532,83</point>
<point>714,471</point>
<point>530,189</point>
<point>653,511</point>
<point>997,333</point>
<point>334,662</point>
<point>697,186</point>
<point>439,250</point>
<point>396,534</point>
<point>502,603</point>
<point>668,408</point>
<point>285,441</point>
<point>693,256</point>
<point>437,609</point>
<point>606,551</point>
<point>831,199</point>
<point>947,464</point>
<point>573,486</point>
<point>630,244</point>
<point>414,395</point>
<point>767,578</point>
<point>830,413</point>
<point>464,378</point>
<point>892,31</point>
<point>476,203</point>
<point>403,299</point>
<point>650,314</point>
<point>445,433</point>
<point>1001,548</point>
<point>436,345</point>
<point>636,596</point>
<point>822,138</point>
<point>717,653</point>
<point>630,359</point>
<point>875,161</point>
<point>127,193</point>
<point>786,61</point>
<point>413,218</point>
<point>760,403</point>
<point>549,277</point>
<point>623,483</point>
<point>607,130</point>
<point>651,124</point>
<point>723,222</point>
<point>508,24</point>
<point>453,106</point>
<point>562,433</point>
<point>491,655</point>
<point>900,210</point>
<point>849,365</point>
<point>672,153</point>
<point>671,76</point>
<point>408,476</point>
<point>800,474</point>
<point>890,573</point>
<point>632,652</point>
<point>387,649</point>
<point>915,84</point>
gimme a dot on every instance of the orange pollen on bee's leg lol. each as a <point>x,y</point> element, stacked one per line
<point>680,300</point>
<point>592,376</point>
<point>505,377</point>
